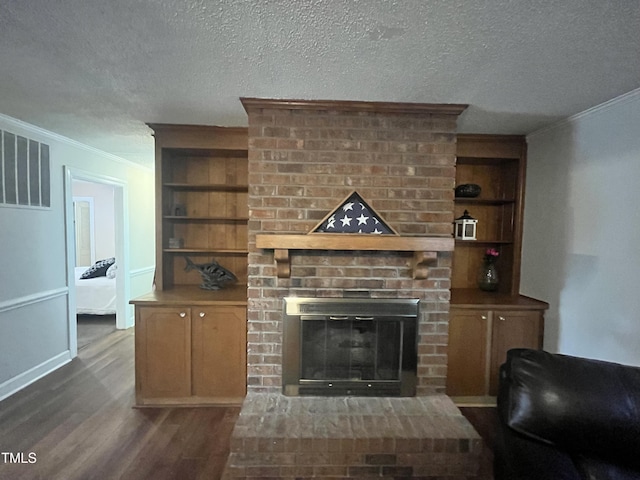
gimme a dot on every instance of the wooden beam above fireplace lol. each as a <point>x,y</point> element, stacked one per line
<point>424,249</point>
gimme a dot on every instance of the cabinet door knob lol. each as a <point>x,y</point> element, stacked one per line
<point>202,314</point>
<point>483,317</point>
<point>183,314</point>
<point>502,319</point>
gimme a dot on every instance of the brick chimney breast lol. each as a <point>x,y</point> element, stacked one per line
<point>304,158</point>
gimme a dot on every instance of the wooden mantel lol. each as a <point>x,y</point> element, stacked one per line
<point>424,249</point>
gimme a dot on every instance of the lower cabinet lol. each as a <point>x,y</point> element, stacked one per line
<point>219,352</point>
<point>163,353</point>
<point>190,355</point>
<point>478,343</point>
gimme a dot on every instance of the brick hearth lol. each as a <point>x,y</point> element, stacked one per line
<point>278,437</point>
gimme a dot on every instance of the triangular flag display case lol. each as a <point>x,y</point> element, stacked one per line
<point>354,215</point>
<point>361,228</point>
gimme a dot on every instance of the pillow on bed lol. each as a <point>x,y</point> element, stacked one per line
<point>111,271</point>
<point>98,269</point>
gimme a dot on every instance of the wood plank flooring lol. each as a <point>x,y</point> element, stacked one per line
<point>92,328</point>
<point>80,424</point>
<point>485,421</point>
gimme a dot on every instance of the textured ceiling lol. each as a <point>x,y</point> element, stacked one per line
<point>96,71</point>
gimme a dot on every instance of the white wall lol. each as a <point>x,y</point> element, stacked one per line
<point>581,249</point>
<point>34,317</point>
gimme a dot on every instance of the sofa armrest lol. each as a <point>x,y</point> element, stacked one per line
<point>517,457</point>
<point>576,404</point>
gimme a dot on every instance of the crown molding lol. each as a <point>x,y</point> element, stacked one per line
<point>354,106</point>
<point>629,97</point>
<point>68,141</point>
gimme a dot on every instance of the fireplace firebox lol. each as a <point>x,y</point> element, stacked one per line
<point>350,346</point>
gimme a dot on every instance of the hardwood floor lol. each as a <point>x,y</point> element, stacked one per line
<point>80,424</point>
<point>92,328</point>
<point>485,421</point>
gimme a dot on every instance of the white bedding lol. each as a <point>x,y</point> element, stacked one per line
<point>95,296</point>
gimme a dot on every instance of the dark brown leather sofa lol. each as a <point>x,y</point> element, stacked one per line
<point>564,417</point>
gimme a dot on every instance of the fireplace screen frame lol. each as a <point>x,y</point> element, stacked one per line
<point>297,310</point>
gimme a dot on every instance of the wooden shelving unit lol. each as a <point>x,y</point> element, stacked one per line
<point>498,165</point>
<point>484,325</point>
<point>190,342</point>
<point>201,200</point>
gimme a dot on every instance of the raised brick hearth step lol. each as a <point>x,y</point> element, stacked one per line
<point>353,437</point>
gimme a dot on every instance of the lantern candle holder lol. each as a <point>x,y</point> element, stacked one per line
<point>465,227</point>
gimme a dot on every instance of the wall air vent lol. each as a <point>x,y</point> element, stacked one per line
<point>25,178</point>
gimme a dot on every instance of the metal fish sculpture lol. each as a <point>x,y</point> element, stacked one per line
<point>214,276</point>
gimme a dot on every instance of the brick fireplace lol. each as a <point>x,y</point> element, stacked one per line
<point>304,158</point>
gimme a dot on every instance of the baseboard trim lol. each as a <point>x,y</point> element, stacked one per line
<point>24,379</point>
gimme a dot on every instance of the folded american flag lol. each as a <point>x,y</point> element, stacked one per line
<point>354,216</point>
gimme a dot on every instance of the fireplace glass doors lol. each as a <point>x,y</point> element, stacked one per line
<point>350,346</point>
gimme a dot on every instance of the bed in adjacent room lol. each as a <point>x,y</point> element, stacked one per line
<point>96,292</point>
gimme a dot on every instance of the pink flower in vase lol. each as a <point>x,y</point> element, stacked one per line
<point>490,255</point>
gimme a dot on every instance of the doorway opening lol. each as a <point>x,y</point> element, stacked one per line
<point>95,242</point>
<point>96,236</point>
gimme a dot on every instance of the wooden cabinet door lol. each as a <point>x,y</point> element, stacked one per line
<point>220,352</point>
<point>512,329</point>
<point>467,365</point>
<point>163,352</point>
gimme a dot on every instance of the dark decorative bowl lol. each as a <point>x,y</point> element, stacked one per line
<point>468,190</point>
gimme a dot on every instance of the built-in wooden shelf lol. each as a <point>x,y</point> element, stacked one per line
<point>424,249</point>
<point>482,243</point>
<point>222,187</point>
<point>236,251</point>
<point>474,298</point>
<point>484,201</point>
<point>193,295</point>
<point>188,218</point>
